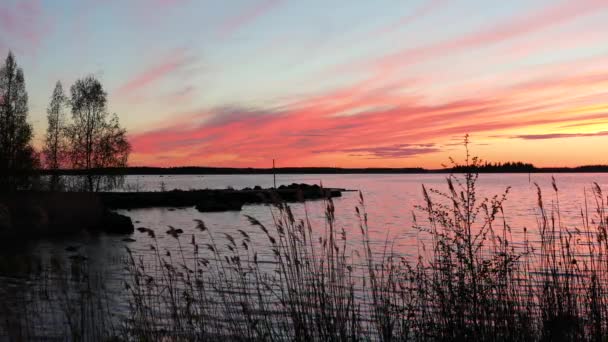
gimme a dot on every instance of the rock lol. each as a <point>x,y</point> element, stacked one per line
<point>114,223</point>
<point>142,229</point>
<point>218,205</point>
<point>228,199</point>
<point>128,240</point>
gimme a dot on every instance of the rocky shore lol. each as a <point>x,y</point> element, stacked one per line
<point>217,200</point>
<point>44,214</point>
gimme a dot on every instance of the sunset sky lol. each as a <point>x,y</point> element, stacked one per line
<point>349,83</point>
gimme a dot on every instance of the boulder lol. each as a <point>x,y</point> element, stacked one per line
<point>115,223</point>
<point>218,205</point>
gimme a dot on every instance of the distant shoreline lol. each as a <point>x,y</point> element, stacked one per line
<point>321,170</point>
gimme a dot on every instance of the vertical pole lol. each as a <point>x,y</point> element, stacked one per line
<point>274,175</point>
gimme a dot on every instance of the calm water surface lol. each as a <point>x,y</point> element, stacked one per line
<point>390,201</point>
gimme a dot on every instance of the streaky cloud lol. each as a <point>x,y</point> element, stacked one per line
<point>155,73</point>
<point>247,16</point>
<point>559,135</point>
<point>557,14</point>
<point>391,151</point>
<point>25,23</point>
<point>425,9</point>
<point>309,130</point>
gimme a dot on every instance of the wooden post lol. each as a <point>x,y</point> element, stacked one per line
<point>274,176</point>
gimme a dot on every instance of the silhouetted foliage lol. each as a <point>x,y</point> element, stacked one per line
<point>17,157</point>
<point>55,147</point>
<point>203,170</point>
<point>496,167</point>
<point>95,139</point>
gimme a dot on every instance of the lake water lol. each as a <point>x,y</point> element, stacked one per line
<point>390,199</point>
<point>390,202</point>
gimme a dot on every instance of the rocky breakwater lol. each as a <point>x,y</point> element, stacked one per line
<point>218,200</point>
<point>233,200</point>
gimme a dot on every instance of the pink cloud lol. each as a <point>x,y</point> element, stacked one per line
<point>182,95</point>
<point>375,118</point>
<point>171,2</point>
<point>307,132</point>
<point>390,151</point>
<point>24,24</point>
<point>155,73</point>
<point>233,24</point>
<point>543,136</point>
<point>428,7</point>
<point>560,13</point>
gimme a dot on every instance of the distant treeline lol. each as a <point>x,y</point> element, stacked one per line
<point>508,167</point>
<point>519,167</point>
<point>496,167</point>
<point>195,170</point>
